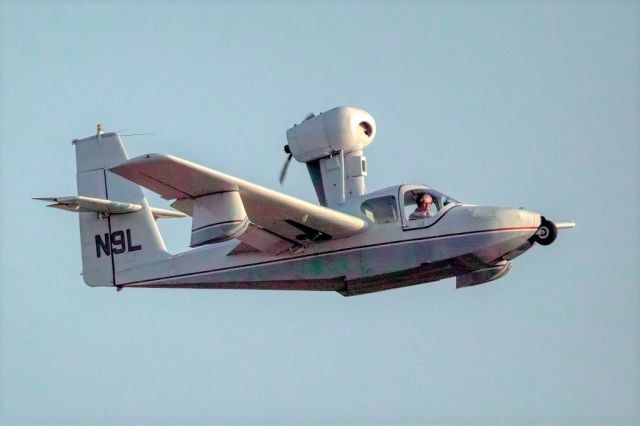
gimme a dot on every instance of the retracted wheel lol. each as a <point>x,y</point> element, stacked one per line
<point>546,233</point>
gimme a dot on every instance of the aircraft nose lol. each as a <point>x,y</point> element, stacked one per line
<point>517,218</point>
<point>506,217</point>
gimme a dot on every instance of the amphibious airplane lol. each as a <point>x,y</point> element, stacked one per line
<point>245,236</point>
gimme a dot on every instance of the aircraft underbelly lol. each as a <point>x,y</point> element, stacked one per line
<point>359,270</point>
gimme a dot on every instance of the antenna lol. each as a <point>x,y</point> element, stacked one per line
<point>138,134</point>
<point>133,134</point>
<point>395,172</point>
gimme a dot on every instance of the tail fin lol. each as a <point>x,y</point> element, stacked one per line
<point>112,243</point>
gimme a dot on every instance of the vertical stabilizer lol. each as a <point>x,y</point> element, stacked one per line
<point>112,243</point>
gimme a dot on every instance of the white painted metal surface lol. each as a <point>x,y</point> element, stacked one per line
<point>217,217</point>
<point>333,142</point>
<point>91,204</point>
<point>345,129</point>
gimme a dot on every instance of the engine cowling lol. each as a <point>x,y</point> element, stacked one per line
<point>342,128</point>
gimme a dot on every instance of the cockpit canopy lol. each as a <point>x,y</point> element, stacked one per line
<point>386,209</point>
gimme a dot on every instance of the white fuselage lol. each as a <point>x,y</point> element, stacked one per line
<point>459,239</point>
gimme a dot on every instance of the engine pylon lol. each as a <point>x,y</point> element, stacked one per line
<point>332,145</point>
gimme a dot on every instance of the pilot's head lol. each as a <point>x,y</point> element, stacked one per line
<point>424,199</point>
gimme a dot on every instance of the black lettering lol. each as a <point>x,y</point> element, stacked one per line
<point>117,242</point>
<point>130,244</point>
<point>103,244</point>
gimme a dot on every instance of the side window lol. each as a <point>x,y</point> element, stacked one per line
<point>381,210</point>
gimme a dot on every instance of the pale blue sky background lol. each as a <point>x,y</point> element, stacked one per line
<point>503,103</point>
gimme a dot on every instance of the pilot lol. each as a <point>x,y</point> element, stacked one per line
<point>424,202</point>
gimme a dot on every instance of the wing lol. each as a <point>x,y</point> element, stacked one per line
<point>280,220</point>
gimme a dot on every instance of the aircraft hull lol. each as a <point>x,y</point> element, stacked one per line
<point>357,270</point>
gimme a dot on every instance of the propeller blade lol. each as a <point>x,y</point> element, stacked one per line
<point>283,172</point>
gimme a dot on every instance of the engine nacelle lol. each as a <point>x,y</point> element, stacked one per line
<point>343,128</point>
<point>217,217</point>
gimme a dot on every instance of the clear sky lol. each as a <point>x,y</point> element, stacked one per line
<point>533,104</point>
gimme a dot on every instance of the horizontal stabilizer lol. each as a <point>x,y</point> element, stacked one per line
<point>79,203</point>
<point>165,213</point>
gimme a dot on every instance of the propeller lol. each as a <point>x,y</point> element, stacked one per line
<point>285,167</point>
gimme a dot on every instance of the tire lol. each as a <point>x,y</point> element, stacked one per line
<point>546,233</point>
